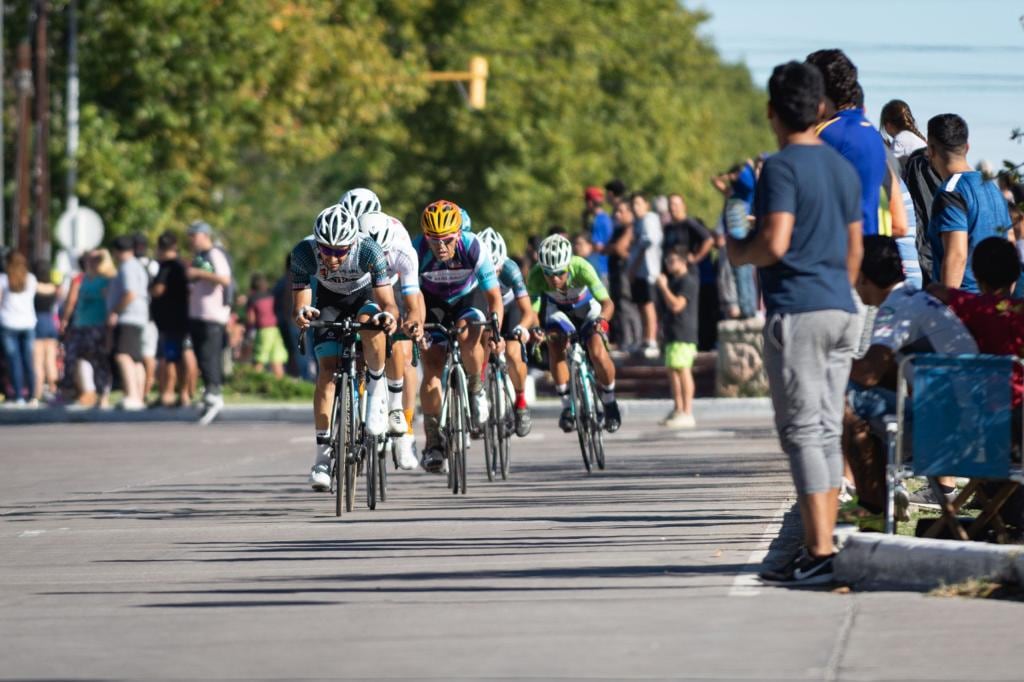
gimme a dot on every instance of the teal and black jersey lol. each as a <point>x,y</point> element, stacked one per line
<point>513,286</point>
<point>365,266</point>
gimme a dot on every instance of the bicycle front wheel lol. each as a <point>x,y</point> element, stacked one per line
<point>351,443</point>
<point>458,430</point>
<point>582,422</point>
<point>337,449</point>
<point>596,420</point>
<point>369,455</point>
<point>383,448</point>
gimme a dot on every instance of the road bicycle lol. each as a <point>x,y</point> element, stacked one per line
<point>453,425</point>
<point>353,451</point>
<point>500,424</point>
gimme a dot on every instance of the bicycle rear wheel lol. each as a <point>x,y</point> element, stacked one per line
<point>506,429</point>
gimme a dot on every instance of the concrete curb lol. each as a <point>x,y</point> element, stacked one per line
<point>874,559</point>
<point>704,408</point>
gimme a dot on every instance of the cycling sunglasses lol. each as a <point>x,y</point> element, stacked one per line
<point>447,241</point>
<point>554,273</point>
<point>338,252</point>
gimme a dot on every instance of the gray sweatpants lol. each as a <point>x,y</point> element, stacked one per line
<point>807,358</point>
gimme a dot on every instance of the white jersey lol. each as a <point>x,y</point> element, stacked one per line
<point>912,321</point>
<point>403,263</point>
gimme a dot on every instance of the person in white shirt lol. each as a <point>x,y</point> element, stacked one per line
<point>899,124</point>
<point>18,289</point>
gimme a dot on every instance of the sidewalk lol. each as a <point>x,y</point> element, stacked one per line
<point>300,413</point>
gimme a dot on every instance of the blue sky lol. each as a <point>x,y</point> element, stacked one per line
<point>961,56</point>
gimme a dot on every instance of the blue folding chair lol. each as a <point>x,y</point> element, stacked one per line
<point>960,419</point>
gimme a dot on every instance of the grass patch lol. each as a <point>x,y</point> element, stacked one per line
<point>975,588</point>
<point>247,384</point>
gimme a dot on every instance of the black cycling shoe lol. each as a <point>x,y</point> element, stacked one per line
<point>523,421</point>
<point>433,460</point>
<point>612,419</point>
<point>567,420</point>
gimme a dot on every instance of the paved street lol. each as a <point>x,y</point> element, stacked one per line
<point>167,550</point>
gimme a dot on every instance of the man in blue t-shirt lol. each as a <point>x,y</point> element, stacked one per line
<point>806,244</point>
<point>966,209</point>
<point>599,225</point>
<point>848,131</point>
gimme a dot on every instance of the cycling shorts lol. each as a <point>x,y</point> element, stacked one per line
<point>472,306</point>
<point>582,318</point>
<point>334,307</point>
<point>512,318</point>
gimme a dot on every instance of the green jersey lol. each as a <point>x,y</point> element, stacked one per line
<point>582,286</point>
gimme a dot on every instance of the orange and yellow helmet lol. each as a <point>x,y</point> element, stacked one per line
<point>441,218</point>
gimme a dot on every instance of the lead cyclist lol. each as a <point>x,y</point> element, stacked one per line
<point>403,269</point>
<point>351,278</point>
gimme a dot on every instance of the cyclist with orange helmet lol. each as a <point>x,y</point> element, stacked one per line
<point>459,284</point>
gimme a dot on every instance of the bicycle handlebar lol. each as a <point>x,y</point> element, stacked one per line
<point>347,326</point>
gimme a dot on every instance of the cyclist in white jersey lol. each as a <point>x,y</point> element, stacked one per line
<point>403,269</point>
<point>350,276</point>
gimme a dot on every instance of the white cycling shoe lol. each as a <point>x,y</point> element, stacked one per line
<point>320,477</point>
<point>407,458</point>
<point>376,412</point>
<point>397,426</point>
<point>480,408</point>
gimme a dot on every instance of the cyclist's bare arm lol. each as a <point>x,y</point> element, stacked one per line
<point>302,308</point>
<point>607,308</point>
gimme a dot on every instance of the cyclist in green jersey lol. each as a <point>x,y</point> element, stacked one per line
<point>569,296</point>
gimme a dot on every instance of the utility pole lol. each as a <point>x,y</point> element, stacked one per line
<point>72,114</point>
<point>41,234</point>
<point>23,83</point>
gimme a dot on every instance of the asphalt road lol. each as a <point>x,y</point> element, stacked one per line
<point>168,550</point>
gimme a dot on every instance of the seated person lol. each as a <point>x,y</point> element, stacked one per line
<point>908,321</point>
<point>994,317</point>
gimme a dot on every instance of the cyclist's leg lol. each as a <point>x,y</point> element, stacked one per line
<point>374,344</point>
<point>432,359</point>
<point>323,401</point>
<point>395,371</point>
<point>558,327</point>
<point>604,369</point>
<point>474,354</point>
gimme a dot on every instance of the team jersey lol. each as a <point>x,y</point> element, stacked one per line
<point>511,280</point>
<point>469,268</point>
<point>853,136</point>
<point>403,263</point>
<point>364,266</point>
<point>582,286</point>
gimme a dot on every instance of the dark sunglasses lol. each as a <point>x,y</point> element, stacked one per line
<point>554,273</point>
<point>336,252</point>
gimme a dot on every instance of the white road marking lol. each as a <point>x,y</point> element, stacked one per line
<point>746,583</point>
<point>30,533</point>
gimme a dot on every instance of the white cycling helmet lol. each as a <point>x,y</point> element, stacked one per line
<point>380,227</point>
<point>335,227</point>
<point>496,245</point>
<point>359,201</point>
<point>555,253</point>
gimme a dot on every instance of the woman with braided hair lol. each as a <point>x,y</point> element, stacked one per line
<point>899,124</point>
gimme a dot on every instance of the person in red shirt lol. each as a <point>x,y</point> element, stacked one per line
<point>268,346</point>
<point>994,318</point>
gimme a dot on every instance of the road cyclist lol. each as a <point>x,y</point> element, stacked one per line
<point>459,285</point>
<point>403,270</point>
<point>339,273</point>
<point>571,300</point>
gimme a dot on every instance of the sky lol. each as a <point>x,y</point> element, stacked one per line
<point>960,56</point>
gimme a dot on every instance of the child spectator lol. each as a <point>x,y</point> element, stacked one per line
<point>582,246</point>
<point>268,347</point>
<point>678,290</point>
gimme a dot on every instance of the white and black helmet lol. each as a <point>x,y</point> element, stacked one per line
<point>359,201</point>
<point>380,227</point>
<point>335,227</point>
<point>495,243</point>
<point>555,253</point>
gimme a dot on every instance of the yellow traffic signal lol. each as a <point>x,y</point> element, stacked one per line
<point>477,77</point>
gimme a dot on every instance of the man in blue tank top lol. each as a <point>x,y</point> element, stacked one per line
<point>966,210</point>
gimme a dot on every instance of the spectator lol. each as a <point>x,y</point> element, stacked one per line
<point>644,267</point>
<point>848,131</point>
<point>169,309</point>
<point>966,210</point>
<point>150,334</point>
<point>582,246</point>
<point>678,291</point>
<point>626,324</point>
<point>616,192</point>
<point>209,312</point>
<point>899,124</point>
<point>806,243</point>
<point>127,317</point>
<point>18,288</point>
<point>598,225</point>
<point>44,354</point>
<point>268,346</point>
<point>922,182</point>
<point>689,233</point>
<point>84,322</point>
<point>282,292</point>
<point>909,321</point>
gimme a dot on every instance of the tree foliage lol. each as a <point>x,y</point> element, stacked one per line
<point>254,114</point>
